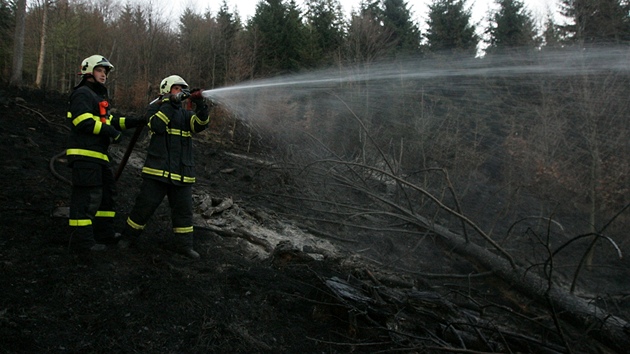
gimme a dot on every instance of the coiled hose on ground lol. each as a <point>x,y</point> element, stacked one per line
<point>51,164</point>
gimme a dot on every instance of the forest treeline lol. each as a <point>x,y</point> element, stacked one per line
<point>544,115</point>
<point>44,39</point>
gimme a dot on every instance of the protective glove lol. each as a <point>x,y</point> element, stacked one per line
<point>176,98</point>
<point>165,98</point>
<point>196,97</point>
<point>196,94</point>
<point>133,122</point>
<point>182,95</point>
<point>116,139</point>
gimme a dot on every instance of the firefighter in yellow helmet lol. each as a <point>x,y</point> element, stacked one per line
<point>169,169</point>
<point>93,128</point>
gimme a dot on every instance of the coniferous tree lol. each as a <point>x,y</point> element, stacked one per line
<point>511,27</point>
<point>551,34</point>
<point>264,28</point>
<point>595,21</point>
<point>293,38</point>
<point>449,28</point>
<point>397,18</point>
<point>194,41</point>
<point>280,36</point>
<point>383,28</point>
<point>229,26</point>
<point>325,31</point>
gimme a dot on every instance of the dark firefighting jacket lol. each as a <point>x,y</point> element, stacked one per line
<point>170,152</point>
<point>92,125</point>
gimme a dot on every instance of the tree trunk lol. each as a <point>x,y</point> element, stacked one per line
<point>42,47</point>
<point>609,329</point>
<point>18,44</point>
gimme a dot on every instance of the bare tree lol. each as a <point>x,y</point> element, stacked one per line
<point>18,44</point>
<point>42,46</point>
<point>367,39</point>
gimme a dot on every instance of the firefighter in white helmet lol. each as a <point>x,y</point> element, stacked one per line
<point>93,128</point>
<point>169,169</point>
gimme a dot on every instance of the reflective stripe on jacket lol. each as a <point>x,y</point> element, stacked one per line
<point>89,136</point>
<point>170,152</point>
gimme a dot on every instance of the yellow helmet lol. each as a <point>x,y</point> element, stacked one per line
<point>165,85</point>
<point>88,64</point>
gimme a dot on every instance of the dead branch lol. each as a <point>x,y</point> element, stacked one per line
<point>43,117</point>
<point>51,164</point>
<point>240,233</point>
<point>610,329</point>
<point>329,236</point>
<point>389,310</point>
<point>428,195</point>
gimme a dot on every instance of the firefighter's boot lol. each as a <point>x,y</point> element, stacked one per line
<point>129,238</point>
<point>187,246</point>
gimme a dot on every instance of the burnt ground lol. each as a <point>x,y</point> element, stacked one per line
<point>262,285</point>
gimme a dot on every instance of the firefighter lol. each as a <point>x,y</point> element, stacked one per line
<point>93,129</point>
<point>169,167</point>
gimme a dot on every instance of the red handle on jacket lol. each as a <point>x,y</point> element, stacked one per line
<point>102,106</point>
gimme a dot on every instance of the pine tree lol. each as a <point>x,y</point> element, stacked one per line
<point>281,36</point>
<point>383,28</point>
<point>449,28</point>
<point>199,40</point>
<point>596,21</point>
<point>397,18</point>
<point>325,31</point>
<point>229,26</point>
<point>511,27</point>
<point>551,34</point>
<point>294,38</point>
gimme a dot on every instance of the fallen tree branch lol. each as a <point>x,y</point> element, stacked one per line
<point>51,163</point>
<point>425,193</point>
<point>609,329</point>
<point>43,117</point>
<point>240,233</point>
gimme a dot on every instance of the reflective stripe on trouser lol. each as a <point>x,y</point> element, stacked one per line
<point>84,203</point>
<point>103,225</point>
<point>152,193</point>
<point>92,204</point>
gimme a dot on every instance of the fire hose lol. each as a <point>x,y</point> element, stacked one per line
<point>130,146</point>
<point>136,135</point>
<point>134,139</point>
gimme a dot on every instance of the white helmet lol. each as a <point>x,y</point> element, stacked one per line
<point>165,85</point>
<point>88,64</point>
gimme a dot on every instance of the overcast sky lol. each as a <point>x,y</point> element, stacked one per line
<point>419,8</point>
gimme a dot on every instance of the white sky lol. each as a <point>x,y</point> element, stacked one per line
<point>419,8</point>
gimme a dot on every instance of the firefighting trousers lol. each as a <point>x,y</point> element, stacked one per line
<point>152,192</point>
<point>92,204</point>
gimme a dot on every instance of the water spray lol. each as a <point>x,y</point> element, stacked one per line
<point>379,77</point>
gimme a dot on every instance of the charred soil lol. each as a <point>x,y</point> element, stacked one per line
<point>258,288</point>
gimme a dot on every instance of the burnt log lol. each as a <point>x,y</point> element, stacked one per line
<point>610,330</point>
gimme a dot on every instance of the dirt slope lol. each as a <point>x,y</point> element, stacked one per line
<point>262,285</point>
